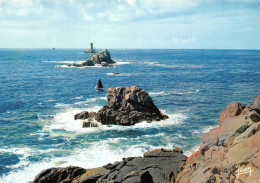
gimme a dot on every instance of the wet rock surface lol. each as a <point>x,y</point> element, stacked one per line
<point>157,166</point>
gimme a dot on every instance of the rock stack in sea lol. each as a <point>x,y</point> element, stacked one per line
<point>103,58</point>
<point>125,106</point>
<point>230,151</point>
<point>159,165</point>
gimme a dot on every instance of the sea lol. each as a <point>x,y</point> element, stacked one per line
<point>39,96</point>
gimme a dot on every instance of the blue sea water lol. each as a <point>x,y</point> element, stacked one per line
<point>39,96</point>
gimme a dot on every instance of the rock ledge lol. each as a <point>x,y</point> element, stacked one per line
<point>162,166</point>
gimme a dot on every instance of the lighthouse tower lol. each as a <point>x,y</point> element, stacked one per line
<point>91,46</point>
<point>91,50</point>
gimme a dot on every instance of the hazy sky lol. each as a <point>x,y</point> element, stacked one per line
<point>181,24</point>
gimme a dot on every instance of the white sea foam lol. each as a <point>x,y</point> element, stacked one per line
<point>95,66</point>
<point>23,154</point>
<point>103,98</point>
<point>65,61</point>
<point>61,105</point>
<point>173,66</point>
<point>50,101</point>
<point>193,91</point>
<point>80,103</point>
<point>163,93</point>
<point>157,93</point>
<point>156,135</point>
<point>203,130</point>
<point>173,119</point>
<point>78,97</point>
<point>192,150</point>
<point>65,120</point>
<point>91,100</point>
<point>122,63</point>
<point>122,74</point>
<point>94,155</point>
<point>23,151</point>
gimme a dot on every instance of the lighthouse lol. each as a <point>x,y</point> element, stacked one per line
<point>91,50</point>
<point>91,46</point>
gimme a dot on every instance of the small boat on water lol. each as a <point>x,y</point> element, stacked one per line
<point>99,85</point>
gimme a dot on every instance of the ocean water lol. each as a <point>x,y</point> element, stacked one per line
<point>39,97</point>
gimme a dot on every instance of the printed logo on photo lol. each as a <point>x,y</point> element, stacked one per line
<point>245,170</point>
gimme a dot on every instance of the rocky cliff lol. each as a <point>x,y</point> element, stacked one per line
<point>230,152</point>
<point>125,106</point>
<point>155,166</point>
<point>103,58</point>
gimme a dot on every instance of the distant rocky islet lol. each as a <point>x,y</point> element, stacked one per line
<point>102,58</point>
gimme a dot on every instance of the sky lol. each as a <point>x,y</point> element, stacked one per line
<point>145,24</point>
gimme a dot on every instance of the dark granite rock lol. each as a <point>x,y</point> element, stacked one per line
<point>84,115</point>
<point>126,106</point>
<point>156,166</point>
<point>89,123</point>
<point>105,64</point>
<point>102,57</point>
<point>64,175</point>
<point>255,117</point>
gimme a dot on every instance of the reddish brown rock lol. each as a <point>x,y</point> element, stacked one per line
<point>257,102</point>
<point>226,149</point>
<point>232,109</point>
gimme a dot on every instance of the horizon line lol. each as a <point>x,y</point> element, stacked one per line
<point>147,48</point>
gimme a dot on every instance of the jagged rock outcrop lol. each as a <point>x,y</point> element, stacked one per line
<point>231,148</point>
<point>228,153</point>
<point>157,166</point>
<point>126,106</point>
<point>84,115</point>
<point>59,175</point>
<point>103,58</point>
<point>90,123</point>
